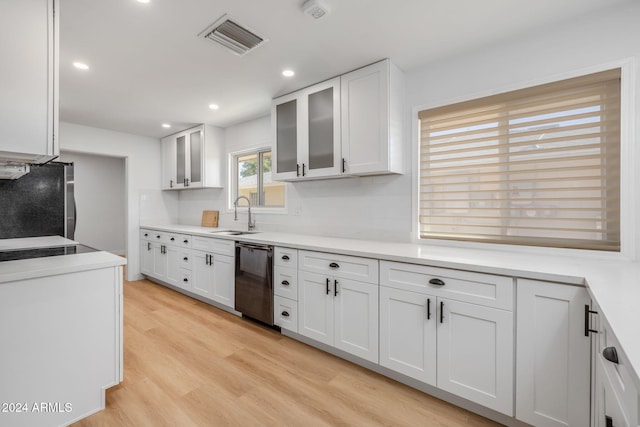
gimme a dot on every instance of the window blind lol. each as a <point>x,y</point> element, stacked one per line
<point>538,166</point>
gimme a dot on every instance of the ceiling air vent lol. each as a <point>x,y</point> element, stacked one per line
<point>233,36</point>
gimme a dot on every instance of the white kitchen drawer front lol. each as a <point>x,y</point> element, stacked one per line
<point>285,313</point>
<point>348,267</point>
<point>185,259</point>
<point>177,239</point>
<point>146,234</point>
<point>154,236</point>
<point>475,288</point>
<point>202,243</point>
<point>618,373</point>
<point>286,282</point>
<point>218,246</point>
<point>185,280</point>
<point>285,257</point>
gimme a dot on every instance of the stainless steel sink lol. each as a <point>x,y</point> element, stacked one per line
<point>233,232</point>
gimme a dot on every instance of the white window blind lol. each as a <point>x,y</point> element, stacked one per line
<point>538,166</point>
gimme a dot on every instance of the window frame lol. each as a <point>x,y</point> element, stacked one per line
<point>233,181</point>
<point>629,186</point>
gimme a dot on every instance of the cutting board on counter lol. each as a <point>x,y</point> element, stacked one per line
<point>210,218</point>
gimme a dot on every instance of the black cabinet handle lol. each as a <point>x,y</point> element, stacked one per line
<point>185,241</point>
<point>441,311</point>
<point>157,236</point>
<point>146,234</point>
<point>185,280</point>
<point>285,257</point>
<point>611,355</point>
<point>163,249</point>
<point>609,421</point>
<point>285,313</point>
<point>148,246</point>
<point>335,288</point>
<point>327,286</point>
<point>303,170</point>
<point>587,312</point>
<point>297,169</point>
<point>436,282</point>
<point>173,239</point>
<point>170,183</point>
<point>185,259</point>
<point>428,308</point>
<point>334,265</point>
<point>285,283</point>
<point>343,166</point>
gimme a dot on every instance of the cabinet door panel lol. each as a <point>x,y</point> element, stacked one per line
<point>223,280</point>
<point>202,280</point>
<point>553,354</point>
<point>169,171</point>
<point>159,261</point>
<point>321,153</point>
<point>181,156</point>
<point>315,307</point>
<point>286,137</point>
<point>407,335</point>
<point>475,353</point>
<point>174,265</point>
<point>195,159</point>
<point>356,318</point>
<point>608,403</point>
<point>146,257</point>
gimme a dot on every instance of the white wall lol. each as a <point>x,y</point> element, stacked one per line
<point>100,221</point>
<point>372,207</point>
<point>142,156</point>
<point>578,47</point>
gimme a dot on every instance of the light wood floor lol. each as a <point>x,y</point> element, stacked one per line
<point>189,364</point>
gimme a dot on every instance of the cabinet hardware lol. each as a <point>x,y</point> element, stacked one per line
<point>148,246</point>
<point>185,241</point>
<point>610,354</point>
<point>185,280</point>
<point>436,282</point>
<point>334,265</point>
<point>163,249</point>
<point>186,180</point>
<point>303,169</point>
<point>327,286</point>
<point>285,283</point>
<point>185,259</point>
<point>441,311</point>
<point>587,312</point>
<point>157,236</point>
<point>173,239</point>
<point>285,313</point>
<point>608,421</point>
<point>170,183</point>
<point>428,308</point>
<point>335,288</point>
<point>146,234</point>
<point>343,166</point>
<point>285,257</point>
<point>297,169</point>
<point>206,259</point>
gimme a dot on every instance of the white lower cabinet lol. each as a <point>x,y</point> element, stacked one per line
<point>285,288</point>
<point>553,354</point>
<point>213,277</point>
<point>146,258</point>
<point>461,347</point>
<point>339,312</point>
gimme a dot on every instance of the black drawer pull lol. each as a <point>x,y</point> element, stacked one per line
<point>334,265</point>
<point>285,313</point>
<point>436,282</point>
<point>428,308</point>
<point>185,259</point>
<point>173,239</point>
<point>185,280</point>
<point>146,234</point>
<point>185,241</point>
<point>285,257</point>
<point>285,283</point>
<point>611,355</point>
<point>327,286</point>
<point>158,236</point>
<point>441,311</point>
<point>587,313</point>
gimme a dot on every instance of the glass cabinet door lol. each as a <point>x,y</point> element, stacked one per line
<point>181,153</point>
<point>287,137</point>
<point>195,157</point>
<point>321,125</point>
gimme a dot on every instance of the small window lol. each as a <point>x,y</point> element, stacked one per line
<point>538,166</point>
<point>252,179</point>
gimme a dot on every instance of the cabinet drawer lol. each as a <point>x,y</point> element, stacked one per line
<point>285,313</point>
<point>179,240</point>
<point>347,267</point>
<point>186,261</point>
<point>153,236</point>
<point>476,288</point>
<point>146,234</point>
<point>218,246</point>
<point>285,283</point>
<point>185,279</point>
<point>618,374</point>
<point>285,257</point>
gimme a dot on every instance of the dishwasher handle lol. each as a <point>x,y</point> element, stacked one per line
<point>259,247</point>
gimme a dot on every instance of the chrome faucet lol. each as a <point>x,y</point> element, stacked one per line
<point>252,224</point>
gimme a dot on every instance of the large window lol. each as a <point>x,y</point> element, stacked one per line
<point>252,178</point>
<point>538,166</point>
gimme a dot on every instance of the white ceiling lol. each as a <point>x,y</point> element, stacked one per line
<point>148,65</point>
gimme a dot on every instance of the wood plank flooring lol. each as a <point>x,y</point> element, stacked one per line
<point>190,364</point>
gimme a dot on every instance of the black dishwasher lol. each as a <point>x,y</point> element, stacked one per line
<point>254,281</point>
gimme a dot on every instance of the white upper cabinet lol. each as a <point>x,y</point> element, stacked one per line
<point>29,86</point>
<point>371,104</point>
<point>349,125</point>
<point>307,133</point>
<point>193,159</point>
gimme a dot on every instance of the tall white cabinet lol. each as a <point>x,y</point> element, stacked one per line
<point>29,84</point>
<point>193,158</point>
<point>350,125</point>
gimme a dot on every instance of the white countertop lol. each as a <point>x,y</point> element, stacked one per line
<point>11,271</point>
<point>613,284</point>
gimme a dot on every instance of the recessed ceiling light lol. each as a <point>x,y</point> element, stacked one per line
<point>214,106</point>
<point>81,65</point>
<point>165,125</point>
<point>288,73</point>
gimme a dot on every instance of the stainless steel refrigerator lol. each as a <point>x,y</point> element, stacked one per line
<point>40,203</point>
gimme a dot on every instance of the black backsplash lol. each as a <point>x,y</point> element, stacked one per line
<point>33,205</point>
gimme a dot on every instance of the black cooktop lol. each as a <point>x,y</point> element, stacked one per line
<point>44,252</point>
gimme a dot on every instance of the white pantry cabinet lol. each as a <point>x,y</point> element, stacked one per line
<point>371,110</point>
<point>335,309</point>
<point>193,158</point>
<point>451,329</point>
<point>29,84</point>
<point>306,127</point>
<point>553,354</point>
